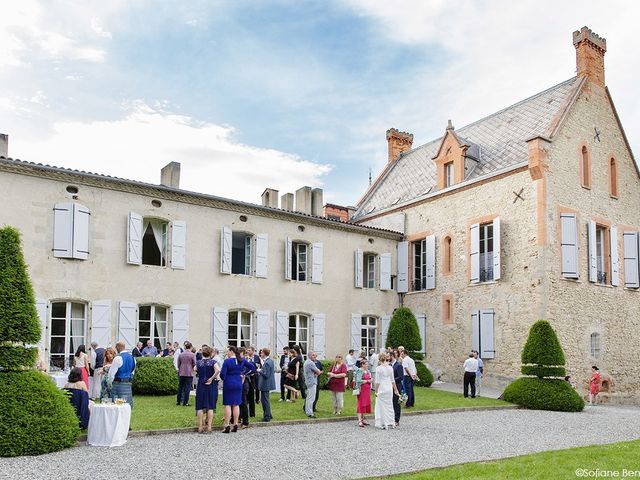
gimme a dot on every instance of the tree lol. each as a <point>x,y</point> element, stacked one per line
<point>403,330</point>
<point>542,355</point>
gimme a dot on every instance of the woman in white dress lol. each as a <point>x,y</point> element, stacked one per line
<point>384,388</point>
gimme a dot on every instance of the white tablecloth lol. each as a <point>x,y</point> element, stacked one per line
<point>109,425</point>
<point>60,379</point>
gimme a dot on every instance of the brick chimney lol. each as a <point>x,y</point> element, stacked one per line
<point>398,142</point>
<point>590,50</point>
<point>170,175</point>
<point>4,145</point>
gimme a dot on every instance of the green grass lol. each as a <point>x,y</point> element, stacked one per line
<point>558,464</point>
<point>156,413</point>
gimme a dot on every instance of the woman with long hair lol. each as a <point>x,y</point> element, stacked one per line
<point>293,372</point>
<point>207,388</point>
<point>232,373</point>
<point>385,387</point>
<point>105,390</point>
<point>337,373</point>
<point>80,360</point>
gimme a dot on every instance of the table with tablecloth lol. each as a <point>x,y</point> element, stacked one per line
<point>60,378</point>
<point>109,425</point>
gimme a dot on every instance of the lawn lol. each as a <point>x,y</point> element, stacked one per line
<point>156,413</point>
<point>584,462</point>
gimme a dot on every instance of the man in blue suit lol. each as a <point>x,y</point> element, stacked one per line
<point>398,376</point>
<point>266,382</point>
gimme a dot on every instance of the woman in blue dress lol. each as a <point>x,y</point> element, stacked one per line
<point>207,389</point>
<point>234,368</point>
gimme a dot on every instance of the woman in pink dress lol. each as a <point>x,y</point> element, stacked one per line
<point>363,384</point>
<point>594,384</point>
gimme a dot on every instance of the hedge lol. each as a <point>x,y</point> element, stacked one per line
<point>404,331</point>
<point>155,376</point>
<point>544,394</point>
<point>424,374</point>
<point>542,371</point>
<point>543,348</point>
<point>17,357</point>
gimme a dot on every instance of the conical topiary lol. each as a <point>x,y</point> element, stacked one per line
<point>403,330</point>
<point>542,355</point>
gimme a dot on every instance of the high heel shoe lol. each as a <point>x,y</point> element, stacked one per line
<point>226,429</point>
<point>235,428</point>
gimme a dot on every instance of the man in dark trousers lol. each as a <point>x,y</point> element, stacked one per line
<point>284,363</point>
<point>321,368</point>
<point>398,375</point>
<point>266,382</point>
<point>252,384</point>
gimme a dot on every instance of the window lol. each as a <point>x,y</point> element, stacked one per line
<point>448,174</point>
<point>154,242</point>
<point>447,256</point>
<point>602,250</point>
<point>241,253</point>
<point>240,328</point>
<point>595,345</point>
<point>486,252</point>
<point>369,334</point>
<point>419,265</point>
<point>67,333</point>
<point>369,270</point>
<point>299,261</point>
<point>585,168</point>
<point>152,325</point>
<point>447,309</point>
<point>613,178</point>
<point>299,331</point>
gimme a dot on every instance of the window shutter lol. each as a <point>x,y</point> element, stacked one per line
<point>356,331</point>
<point>63,230</point>
<point>359,271</point>
<point>496,249</point>
<point>262,248</point>
<point>631,261</point>
<point>569,244</point>
<point>316,258</point>
<point>81,216</point>
<point>42,307</point>
<point>615,258</point>
<point>385,271</point>
<point>178,244</point>
<point>220,329</point>
<point>475,330</point>
<point>127,323</point>
<point>226,240</point>
<point>282,331</point>
<point>593,267</point>
<point>474,256</point>
<point>263,328</point>
<point>386,320</point>
<point>422,326</point>
<point>487,348</point>
<point>403,267</point>
<point>430,246</point>
<point>101,322</point>
<point>288,258</point>
<point>180,323</point>
<point>318,334</point>
<point>134,239</point>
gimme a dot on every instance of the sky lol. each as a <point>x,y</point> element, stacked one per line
<point>281,94</point>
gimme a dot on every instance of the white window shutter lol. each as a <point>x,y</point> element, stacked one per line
<point>430,246</point>
<point>487,348</point>
<point>81,216</point>
<point>127,323</point>
<point>282,331</point>
<point>134,239</point>
<point>403,267</point>
<point>356,331</point>
<point>317,262</point>
<point>496,249</point>
<point>180,323</point>
<point>359,272</point>
<point>319,335</point>
<point>178,244</point>
<point>226,240</point>
<point>475,330</point>
<point>263,328</point>
<point>288,258</point>
<point>63,230</point>
<point>42,307</point>
<point>101,322</point>
<point>569,244</point>
<point>220,329</point>
<point>615,258</point>
<point>385,271</point>
<point>631,260</point>
<point>262,249</point>
<point>474,253</point>
<point>593,267</point>
<point>385,320</point>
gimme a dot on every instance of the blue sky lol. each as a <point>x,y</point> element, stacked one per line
<point>248,95</point>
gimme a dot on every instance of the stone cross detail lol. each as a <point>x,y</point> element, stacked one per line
<point>518,196</point>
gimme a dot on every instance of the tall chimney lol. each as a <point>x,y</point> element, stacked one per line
<point>4,145</point>
<point>398,142</point>
<point>170,175</point>
<point>317,202</point>
<point>270,198</point>
<point>286,202</point>
<point>590,50</point>
<point>303,200</point>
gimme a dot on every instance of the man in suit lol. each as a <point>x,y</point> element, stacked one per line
<point>251,356</point>
<point>284,363</point>
<point>137,351</point>
<point>398,376</point>
<point>266,382</point>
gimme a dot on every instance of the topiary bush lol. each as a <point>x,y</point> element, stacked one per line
<point>155,376</point>
<point>404,331</point>
<point>544,394</point>
<point>542,355</point>
<point>424,374</point>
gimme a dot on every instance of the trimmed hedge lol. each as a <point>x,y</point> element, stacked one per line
<point>543,350</point>
<point>544,394</point>
<point>542,371</point>
<point>17,358</point>
<point>36,416</point>
<point>155,376</point>
<point>424,374</point>
<point>403,330</point>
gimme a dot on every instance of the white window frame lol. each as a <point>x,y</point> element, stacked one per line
<point>419,265</point>
<point>69,351</point>
<point>164,251</point>
<point>601,251</point>
<point>369,270</point>
<point>240,321</point>
<point>595,345</point>
<point>448,174</point>
<point>486,255</point>
<point>247,252</point>
<point>369,333</point>
<point>298,329</point>
<point>299,267</point>
<point>158,341</point>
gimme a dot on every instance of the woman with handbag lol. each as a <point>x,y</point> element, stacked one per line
<point>336,375</point>
<point>362,390</point>
<point>293,371</point>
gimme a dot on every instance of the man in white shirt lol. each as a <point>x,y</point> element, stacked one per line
<point>350,360</point>
<point>410,376</point>
<point>470,369</point>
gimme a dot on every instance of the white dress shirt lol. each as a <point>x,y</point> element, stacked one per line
<point>409,366</point>
<point>470,365</point>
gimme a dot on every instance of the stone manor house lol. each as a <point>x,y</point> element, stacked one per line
<point>529,213</point>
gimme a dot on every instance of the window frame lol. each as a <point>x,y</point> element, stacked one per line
<point>585,166</point>
<point>298,329</point>
<point>419,265</point>
<point>449,174</point>
<point>158,341</point>
<point>486,255</point>
<point>296,263</point>
<point>447,255</point>
<point>369,324</point>
<point>248,252</point>
<point>613,177</point>
<point>369,270</point>
<point>595,345</point>
<point>164,252</point>
<point>603,254</point>
<point>240,316</point>
<point>69,351</point>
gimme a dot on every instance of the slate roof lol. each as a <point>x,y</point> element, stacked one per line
<point>502,140</point>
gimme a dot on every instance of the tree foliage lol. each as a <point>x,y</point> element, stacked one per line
<point>543,350</point>
<point>155,376</point>
<point>404,331</point>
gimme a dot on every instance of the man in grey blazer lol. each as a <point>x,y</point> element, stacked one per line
<point>266,382</point>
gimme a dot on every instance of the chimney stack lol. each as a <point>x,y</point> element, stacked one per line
<point>590,50</point>
<point>317,202</point>
<point>170,175</point>
<point>286,202</point>
<point>270,198</point>
<point>303,200</point>
<point>4,145</point>
<point>398,142</point>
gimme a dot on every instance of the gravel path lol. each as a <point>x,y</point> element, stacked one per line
<point>337,450</point>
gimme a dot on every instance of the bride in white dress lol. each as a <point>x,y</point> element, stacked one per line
<point>384,388</point>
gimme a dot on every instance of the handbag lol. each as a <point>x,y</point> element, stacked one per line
<point>355,392</point>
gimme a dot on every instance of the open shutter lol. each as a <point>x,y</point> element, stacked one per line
<point>496,248</point>
<point>593,255</point>
<point>487,348</point>
<point>403,267</point>
<point>475,330</point>
<point>63,230</point>
<point>262,248</point>
<point>385,271</point>
<point>282,331</point>
<point>386,320</point>
<point>101,322</point>
<point>422,326</point>
<point>127,320</point>
<point>134,239</point>
<point>263,328</point>
<point>430,247</point>
<point>358,259</point>
<point>180,323</point>
<point>288,257</point>
<point>474,253</point>
<point>631,261</point>
<point>178,244</point>
<point>569,244</point>
<point>317,263</point>
<point>220,328</point>
<point>226,239</point>
<point>318,334</point>
<point>356,331</point>
<point>615,258</point>
<point>42,307</point>
<point>81,216</point>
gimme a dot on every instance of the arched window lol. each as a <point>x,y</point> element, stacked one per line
<point>585,168</point>
<point>613,177</point>
<point>595,345</point>
<point>447,256</point>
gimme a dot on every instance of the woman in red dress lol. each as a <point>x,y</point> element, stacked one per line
<point>363,383</point>
<point>594,384</point>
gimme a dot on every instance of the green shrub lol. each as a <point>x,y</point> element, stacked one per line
<point>404,331</point>
<point>323,380</point>
<point>424,374</point>
<point>543,350</point>
<point>155,376</point>
<point>36,416</point>
<point>17,357</point>
<point>544,394</point>
<point>541,371</point>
